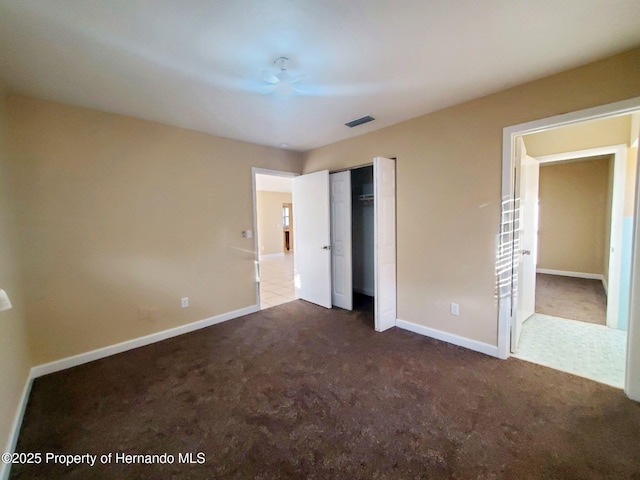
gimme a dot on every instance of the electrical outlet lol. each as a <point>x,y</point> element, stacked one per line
<point>455,309</point>
<point>185,302</point>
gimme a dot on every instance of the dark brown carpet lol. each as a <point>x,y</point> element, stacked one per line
<point>580,299</point>
<point>297,391</point>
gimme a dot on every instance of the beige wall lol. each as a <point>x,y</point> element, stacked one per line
<point>121,217</point>
<point>449,181</point>
<point>14,351</point>
<point>573,228</point>
<point>581,136</point>
<point>592,134</point>
<point>269,207</point>
<point>621,130</point>
<point>586,135</point>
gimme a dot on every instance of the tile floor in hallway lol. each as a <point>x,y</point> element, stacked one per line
<point>276,280</point>
<point>592,351</point>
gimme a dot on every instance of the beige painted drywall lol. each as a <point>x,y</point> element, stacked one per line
<point>121,217</point>
<point>572,220</point>
<point>449,187</point>
<point>586,135</point>
<point>581,136</point>
<point>269,210</point>
<point>593,134</point>
<point>15,360</point>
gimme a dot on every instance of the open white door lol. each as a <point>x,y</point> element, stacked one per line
<point>312,254</point>
<point>342,284</point>
<point>526,244</point>
<point>384,175</point>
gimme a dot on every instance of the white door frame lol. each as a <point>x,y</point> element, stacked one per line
<point>256,248</point>
<point>504,254</point>
<point>619,153</point>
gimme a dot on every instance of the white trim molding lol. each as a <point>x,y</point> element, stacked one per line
<point>75,360</point>
<point>15,426</point>
<point>271,255</point>
<point>487,349</point>
<point>567,273</point>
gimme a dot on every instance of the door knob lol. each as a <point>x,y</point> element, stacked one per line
<point>525,252</point>
<point>327,247</point>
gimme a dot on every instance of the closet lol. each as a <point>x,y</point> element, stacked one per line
<point>353,237</point>
<point>362,230</point>
<point>363,240</point>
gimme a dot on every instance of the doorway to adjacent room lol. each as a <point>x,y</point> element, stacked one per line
<point>549,278</point>
<point>274,237</point>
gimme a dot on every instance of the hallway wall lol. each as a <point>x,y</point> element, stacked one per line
<point>573,228</point>
<point>269,213</point>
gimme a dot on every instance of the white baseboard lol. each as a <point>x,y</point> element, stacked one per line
<point>487,349</point>
<point>86,357</point>
<point>364,291</point>
<point>565,273</point>
<point>270,255</point>
<point>75,360</point>
<point>15,426</point>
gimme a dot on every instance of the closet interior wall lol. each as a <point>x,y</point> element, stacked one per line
<point>363,230</point>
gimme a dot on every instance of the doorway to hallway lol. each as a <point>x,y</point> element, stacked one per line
<point>274,240</point>
<point>276,280</point>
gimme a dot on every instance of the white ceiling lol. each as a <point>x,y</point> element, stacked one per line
<point>197,63</point>
<point>272,183</point>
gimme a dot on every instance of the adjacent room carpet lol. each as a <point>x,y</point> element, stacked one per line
<point>579,299</point>
<point>297,391</point>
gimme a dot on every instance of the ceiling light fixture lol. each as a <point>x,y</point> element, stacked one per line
<point>281,82</point>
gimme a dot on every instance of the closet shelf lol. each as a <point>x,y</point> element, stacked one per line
<point>366,199</point>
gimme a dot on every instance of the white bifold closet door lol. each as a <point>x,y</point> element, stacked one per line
<point>341,254</point>
<point>384,178</point>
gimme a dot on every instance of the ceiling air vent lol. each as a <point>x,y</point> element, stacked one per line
<point>360,121</point>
